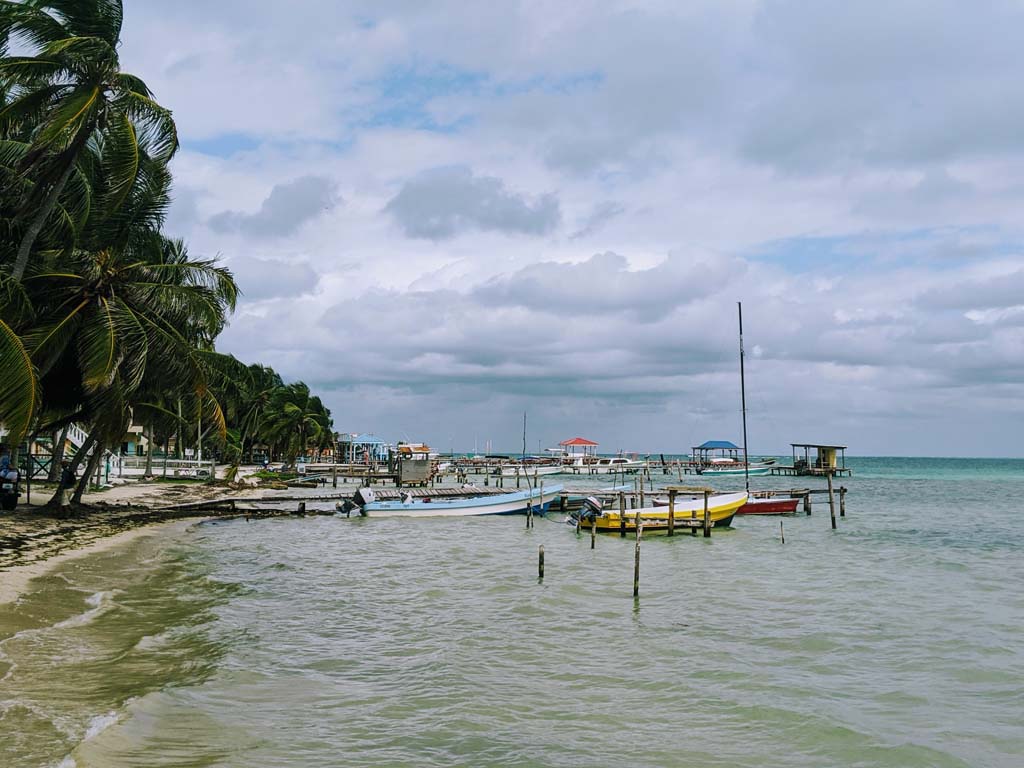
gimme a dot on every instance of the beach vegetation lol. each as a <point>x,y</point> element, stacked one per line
<point>104,319</point>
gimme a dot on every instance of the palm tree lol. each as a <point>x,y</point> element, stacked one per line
<point>295,419</point>
<point>69,94</point>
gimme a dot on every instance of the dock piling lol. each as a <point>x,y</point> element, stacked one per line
<point>831,500</point>
<point>707,517</point>
<point>334,476</point>
<point>636,563</point>
<point>622,515</point>
<point>807,503</point>
<point>782,532</point>
<point>671,513</point>
<point>540,563</point>
<point>842,501</point>
<point>593,531</point>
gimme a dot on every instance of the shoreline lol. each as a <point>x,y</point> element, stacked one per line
<point>32,541</point>
<point>16,577</point>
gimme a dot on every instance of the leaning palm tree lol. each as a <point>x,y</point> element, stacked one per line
<point>68,93</point>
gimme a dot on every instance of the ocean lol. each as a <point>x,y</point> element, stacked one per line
<point>324,641</point>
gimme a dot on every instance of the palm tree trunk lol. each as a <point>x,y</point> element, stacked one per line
<point>59,440</point>
<point>76,461</point>
<point>42,214</point>
<point>90,470</point>
<point>148,429</point>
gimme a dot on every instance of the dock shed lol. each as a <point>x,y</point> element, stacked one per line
<point>819,459</point>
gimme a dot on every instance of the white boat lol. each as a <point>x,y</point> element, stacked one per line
<point>730,467</point>
<point>494,504</point>
<point>615,465</point>
<point>528,471</point>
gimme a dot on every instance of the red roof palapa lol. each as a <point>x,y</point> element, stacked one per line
<point>578,441</point>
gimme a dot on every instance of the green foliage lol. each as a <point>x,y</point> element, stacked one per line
<point>110,321</point>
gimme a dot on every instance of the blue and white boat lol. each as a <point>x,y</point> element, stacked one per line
<point>496,504</point>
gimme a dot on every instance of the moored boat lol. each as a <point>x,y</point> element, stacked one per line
<point>735,468</point>
<point>529,470</point>
<point>686,513</point>
<point>494,504</point>
<point>771,506</point>
<point>604,465</point>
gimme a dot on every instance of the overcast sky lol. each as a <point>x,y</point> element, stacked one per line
<point>445,213</point>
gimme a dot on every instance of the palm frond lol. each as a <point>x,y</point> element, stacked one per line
<point>18,386</point>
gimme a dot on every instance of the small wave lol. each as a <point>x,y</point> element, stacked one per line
<point>99,724</point>
<point>101,602</point>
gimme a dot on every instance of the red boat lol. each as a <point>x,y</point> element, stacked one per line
<point>768,507</point>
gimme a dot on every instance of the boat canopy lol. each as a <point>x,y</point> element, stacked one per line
<point>712,445</point>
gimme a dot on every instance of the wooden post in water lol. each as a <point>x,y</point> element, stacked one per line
<point>842,501</point>
<point>807,502</point>
<point>334,476</point>
<point>707,517</point>
<point>782,532</point>
<point>302,509</point>
<point>622,514</point>
<point>636,563</point>
<point>593,531</point>
<point>540,501</point>
<point>671,513</point>
<point>517,476</point>
<point>831,500</point>
<point>529,510</point>
<point>540,563</point>
<point>641,492</point>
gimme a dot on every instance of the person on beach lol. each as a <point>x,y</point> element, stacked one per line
<point>67,483</point>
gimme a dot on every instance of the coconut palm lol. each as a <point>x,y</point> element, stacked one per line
<point>295,419</point>
<point>70,93</point>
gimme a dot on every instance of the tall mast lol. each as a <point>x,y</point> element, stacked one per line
<point>524,435</point>
<point>743,401</point>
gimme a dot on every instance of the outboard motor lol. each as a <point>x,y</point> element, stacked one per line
<point>345,506</point>
<point>591,509</point>
<point>407,497</point>
<point>364,496</point>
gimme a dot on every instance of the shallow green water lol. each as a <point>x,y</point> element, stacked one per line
<point>326,642</point>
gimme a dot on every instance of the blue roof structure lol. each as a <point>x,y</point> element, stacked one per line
<point>723,444</point>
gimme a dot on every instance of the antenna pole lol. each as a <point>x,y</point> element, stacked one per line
<point>743,401</point>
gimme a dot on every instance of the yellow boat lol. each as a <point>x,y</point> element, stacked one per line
<point>688,513</point>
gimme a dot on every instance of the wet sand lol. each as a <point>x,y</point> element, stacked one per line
<point>34,538</point>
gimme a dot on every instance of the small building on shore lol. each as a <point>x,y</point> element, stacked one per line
<point>354,448</point>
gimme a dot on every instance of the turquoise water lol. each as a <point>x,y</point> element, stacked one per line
<point>894,641</point>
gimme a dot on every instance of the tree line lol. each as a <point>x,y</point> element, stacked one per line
<point>104,319</point>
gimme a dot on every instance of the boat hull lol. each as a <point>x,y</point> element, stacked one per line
<point>769,507</point>
<point>498,504</point>
<point>605,469</point>
<point>752,472</point>
<point>686,513</point>
<point>529,472</point>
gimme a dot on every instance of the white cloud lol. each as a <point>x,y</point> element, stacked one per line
<point>557,207</point>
